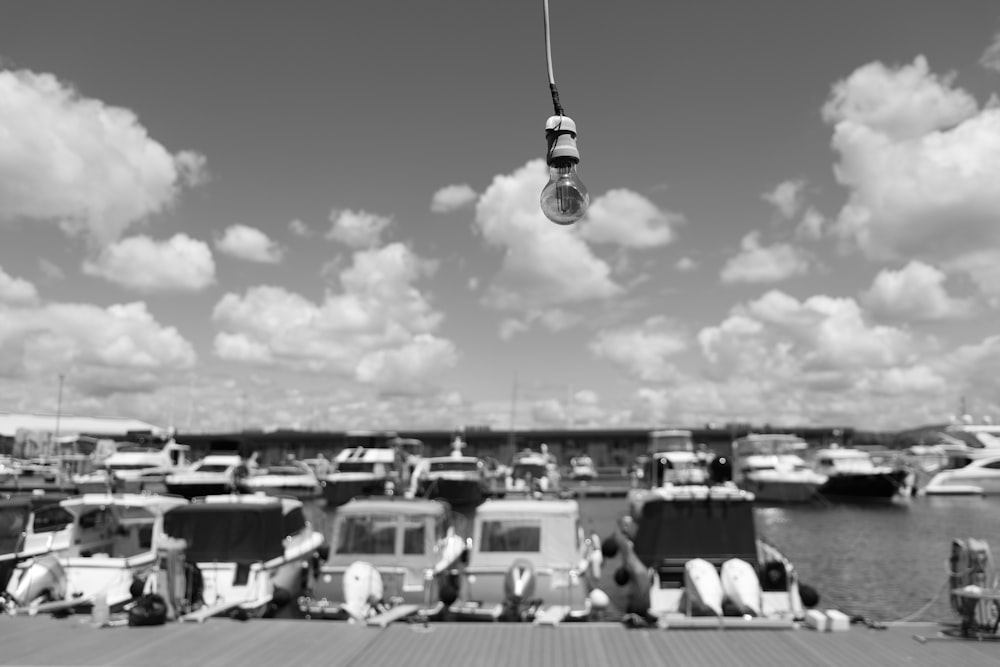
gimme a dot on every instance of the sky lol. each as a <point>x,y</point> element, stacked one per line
<point>324,216</point>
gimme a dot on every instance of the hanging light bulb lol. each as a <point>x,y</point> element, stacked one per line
<point>564,198</point>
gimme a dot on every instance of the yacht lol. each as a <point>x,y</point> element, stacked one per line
<point>980,477</point>
<point>134,468</point>
<point>533,472</point>
<point>213,474</point>
<point>771,467</point>
<point>458,479</point>
<point>673,459</point>
<point>362,471</point>
<point>852,474</point>
<point>291,478</point>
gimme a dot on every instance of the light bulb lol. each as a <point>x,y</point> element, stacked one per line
<point>564,199</point>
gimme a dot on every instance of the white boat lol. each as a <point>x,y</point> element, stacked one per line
<point>291,478</point>
<point>134,468</point>
<point>852,474</point>
<point>457,479</point>
<point>250,553</point>
<point>388,558</point>
<point>530,561</point>
<point>581,469</point>
<point>533,472</point>
<point>212,475</point>
<point>673,459</point>
<point>118,536</point>
<point>363,471</point>
<point>771,467</point>
<point>980,477</point>
<point>669,527</point>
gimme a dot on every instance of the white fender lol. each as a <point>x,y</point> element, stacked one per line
<point>363,588</point>
<point>703,584</point>
<point>741,585</point>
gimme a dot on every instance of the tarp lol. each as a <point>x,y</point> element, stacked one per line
<point>241,533</point>
<point>715,530</point>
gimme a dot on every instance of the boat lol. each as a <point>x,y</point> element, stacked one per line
<point>581,469</point>
<point>770,466</point>
<point>134,468</point>
<point>389,558</point>
<point>33,525</point>
<point>529,560</point>
<point>114,543</point>
<point>250,553</point>
<point>362,471</point>
<point>457,479</point>
<point>211,475</point>
<point>533,472</point>
<point>691,557</point>
<point>852,474</point>
<point>291,478</point>
<point>672,459</point>
<point>980,477</point>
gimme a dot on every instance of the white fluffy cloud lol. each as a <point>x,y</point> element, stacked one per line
<point>921,163</point>
<point>786,197</point>
<point>249,243</point>
<point>16,291</point>
<point>140,263</point>
<point>100,350</point>
<point>357,229</point>
<point>645,351</point>
<point>544,265</point>
<point>379,330</point>
<point>80,162</point>
<point>628,219</point>
<point>452,197</point>
<point>991,56</point>
<point>764,264</point>
<point>915,292</point>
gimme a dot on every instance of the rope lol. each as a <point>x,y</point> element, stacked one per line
<point>548,61</point>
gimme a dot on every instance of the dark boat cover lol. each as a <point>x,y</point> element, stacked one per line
<point>241,533</point>
<point>715,530</point>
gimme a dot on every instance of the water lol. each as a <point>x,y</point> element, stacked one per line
<point>885,561</point>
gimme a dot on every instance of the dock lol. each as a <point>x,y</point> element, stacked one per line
<point>72,641</point>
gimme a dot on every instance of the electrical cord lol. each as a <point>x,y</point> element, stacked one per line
<point>548,61</point>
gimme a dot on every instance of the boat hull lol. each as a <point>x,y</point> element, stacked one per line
<point>781,491</point>
<point>456,492</point>
<point>883,485</point>
<point>191,490</point>
<point>337,492</point>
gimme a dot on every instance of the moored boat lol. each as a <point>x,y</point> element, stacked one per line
<point>291,478</point>
<point>251,554</point>
<point>852,474</point>
<point>533,472</point>
<point>457,479</point>
<point>212,475</point>
<point>530,561</point>
<point>979,477</point>
<point>388,558</point>
<point>133,468</point>
<point>771,467</point>
<point>362,471</point>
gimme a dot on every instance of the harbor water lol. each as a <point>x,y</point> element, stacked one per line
<point>882,561</point>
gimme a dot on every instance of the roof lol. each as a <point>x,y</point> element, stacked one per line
<point>367,454</point>
<point>11,423</point>
<point>395,505</point>
<point>146,500</point>
<point>522,507</point>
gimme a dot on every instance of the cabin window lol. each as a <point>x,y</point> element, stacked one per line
<point>413,536</point>
<point>511,535</point>
<point>95,519</point>
<point>992,465</point>
<point>12,522</point>
<point>367,535</point>
<point>49,519</point>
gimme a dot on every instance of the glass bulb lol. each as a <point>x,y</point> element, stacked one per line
<point>564,198</point>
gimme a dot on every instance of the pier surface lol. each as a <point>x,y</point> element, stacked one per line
<point>221,641</point>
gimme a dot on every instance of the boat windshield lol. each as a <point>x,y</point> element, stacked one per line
<point>355,466</point>
<point>523,535</point>
<point>454,466</point>
<point>212,467</point>
<point>369,534</point>
<point>13,521</point>
<point>131,466</point>
<point>522,470</point>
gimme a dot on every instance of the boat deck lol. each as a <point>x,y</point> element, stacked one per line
<point>73,641</point>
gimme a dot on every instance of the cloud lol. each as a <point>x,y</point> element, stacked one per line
<point>50,270</point>
<point>16,291</point>
<point>786,197</point>
<point>77,161</point>
<point>452,197</point>
<point>764,264</point>
<point>120,348</point>
<point>379,330</point>
<point>544,265</point>
<point>299,228</point>
<point>991,56</point>
<point>812,226</point>
<point>642,351</point>
<point>142,264</point>
<point>686,264</point>
<point>628,219</point>
<point>250,244</point>
<point>915,292</point>
<point>357,229</point>
<point>921,163</point>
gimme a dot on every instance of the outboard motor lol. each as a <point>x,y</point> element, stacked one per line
<point>363,589</point>
<point>518,587</point>
<point>43,578</point>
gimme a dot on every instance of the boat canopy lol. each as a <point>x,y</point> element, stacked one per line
<point>545,529</point>
<point>399,528</point>
<point>686,528</point>
<point>242,533</point>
